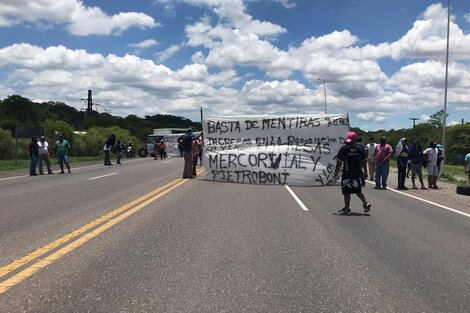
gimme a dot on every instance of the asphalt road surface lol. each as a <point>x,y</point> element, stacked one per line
<point>138,238</point>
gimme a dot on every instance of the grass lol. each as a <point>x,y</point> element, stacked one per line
<point>8,165</point>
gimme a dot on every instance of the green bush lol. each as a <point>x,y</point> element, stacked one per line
<point>7,145</point>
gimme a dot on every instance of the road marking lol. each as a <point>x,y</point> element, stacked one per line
<point>13,177</point>
<point>109,220</point>
<point>296,198</point>
<point>7,284</point>
<point>164,162</point>
<point>74,168</point>
<point>45,249</point>
<point>111,174</point>
<point>427,201</point>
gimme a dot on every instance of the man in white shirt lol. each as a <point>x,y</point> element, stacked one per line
<point>431,157</point>
<point>43,148</point>
<point>370,148</point>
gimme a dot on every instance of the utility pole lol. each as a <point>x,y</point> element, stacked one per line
<point>445,94</point>
<point>414,119</point>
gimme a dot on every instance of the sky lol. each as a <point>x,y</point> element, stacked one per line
<point>381,61</point>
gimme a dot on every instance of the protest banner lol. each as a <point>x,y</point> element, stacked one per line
<point>296,150</point>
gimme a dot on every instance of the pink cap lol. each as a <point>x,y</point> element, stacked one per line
<point>350,136</point>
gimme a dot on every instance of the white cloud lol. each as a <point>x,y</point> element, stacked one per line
<point>466,16</point>
<point>425,118</point>
<point>373,117</point>
<point>286,3</point>
<point>72,13</point>
<point>138,47</point>
<point>355,82</point>
<point>167,53</point>
<point>427,38</point>
<point>143,44</point>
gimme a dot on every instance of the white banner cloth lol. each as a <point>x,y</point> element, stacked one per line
<point>295,150</point>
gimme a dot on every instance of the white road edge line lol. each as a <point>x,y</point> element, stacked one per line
<point>296,198</point>
<point>111,174</point>
<point>164,162</point>
<point>13,177</point>
<point>427,201</point>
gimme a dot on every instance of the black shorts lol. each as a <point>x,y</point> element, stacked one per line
<point>351,185</point>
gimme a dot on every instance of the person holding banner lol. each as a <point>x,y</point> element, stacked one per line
<point>186,142</point>
<point>354,164</point>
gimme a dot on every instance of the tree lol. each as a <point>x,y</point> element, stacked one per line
<point>20,109</point>
<point>437,119</point>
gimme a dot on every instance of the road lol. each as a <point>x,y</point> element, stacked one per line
<point>138,238</point>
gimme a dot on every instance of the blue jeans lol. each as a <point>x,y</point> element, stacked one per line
<point>32,165</point>
<point>381,174</point>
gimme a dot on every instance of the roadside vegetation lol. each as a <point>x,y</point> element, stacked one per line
<point>88,132</point>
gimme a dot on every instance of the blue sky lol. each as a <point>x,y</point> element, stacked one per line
<point>382,61</point>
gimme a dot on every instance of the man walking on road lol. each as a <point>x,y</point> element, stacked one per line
<point>43,147</point>
<point>354,164</point>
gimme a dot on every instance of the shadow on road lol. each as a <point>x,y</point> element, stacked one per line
<point>352,214</point>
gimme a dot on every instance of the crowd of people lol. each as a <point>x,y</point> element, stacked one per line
<point>359,162</point>
<point>40,151</point>
<point>408,158</point>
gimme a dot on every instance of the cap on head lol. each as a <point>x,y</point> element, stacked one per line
<point>351,136</point>
<point>43,138</point>
<point>189,131</point>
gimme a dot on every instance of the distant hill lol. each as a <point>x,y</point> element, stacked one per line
<point>19,111</point>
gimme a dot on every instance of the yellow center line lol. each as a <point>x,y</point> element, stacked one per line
<point>5,285</point>
<point>45,249</point>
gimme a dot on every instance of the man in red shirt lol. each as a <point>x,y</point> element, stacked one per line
<point>382,154</point>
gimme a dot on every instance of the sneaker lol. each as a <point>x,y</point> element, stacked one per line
<point>344,211</point>
<point>61,172</point>
<point>366,207</point>
<point>414,187</point>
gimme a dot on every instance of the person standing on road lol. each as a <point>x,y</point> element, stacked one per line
<point>401,154</point>
<point>416,158</point>
<point>108,145</point>
<point>195,153</point>
<point>370,148</point>
<point>467,166</point>
<point>382,154</point>
<point>186,148</point>
<point>33,152</point>
<point>118,152</point>
<point>61,148</point>
<point>43,147</point>
<point>354,164</point>
<point>431,154</point>
<point>161,147</point>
